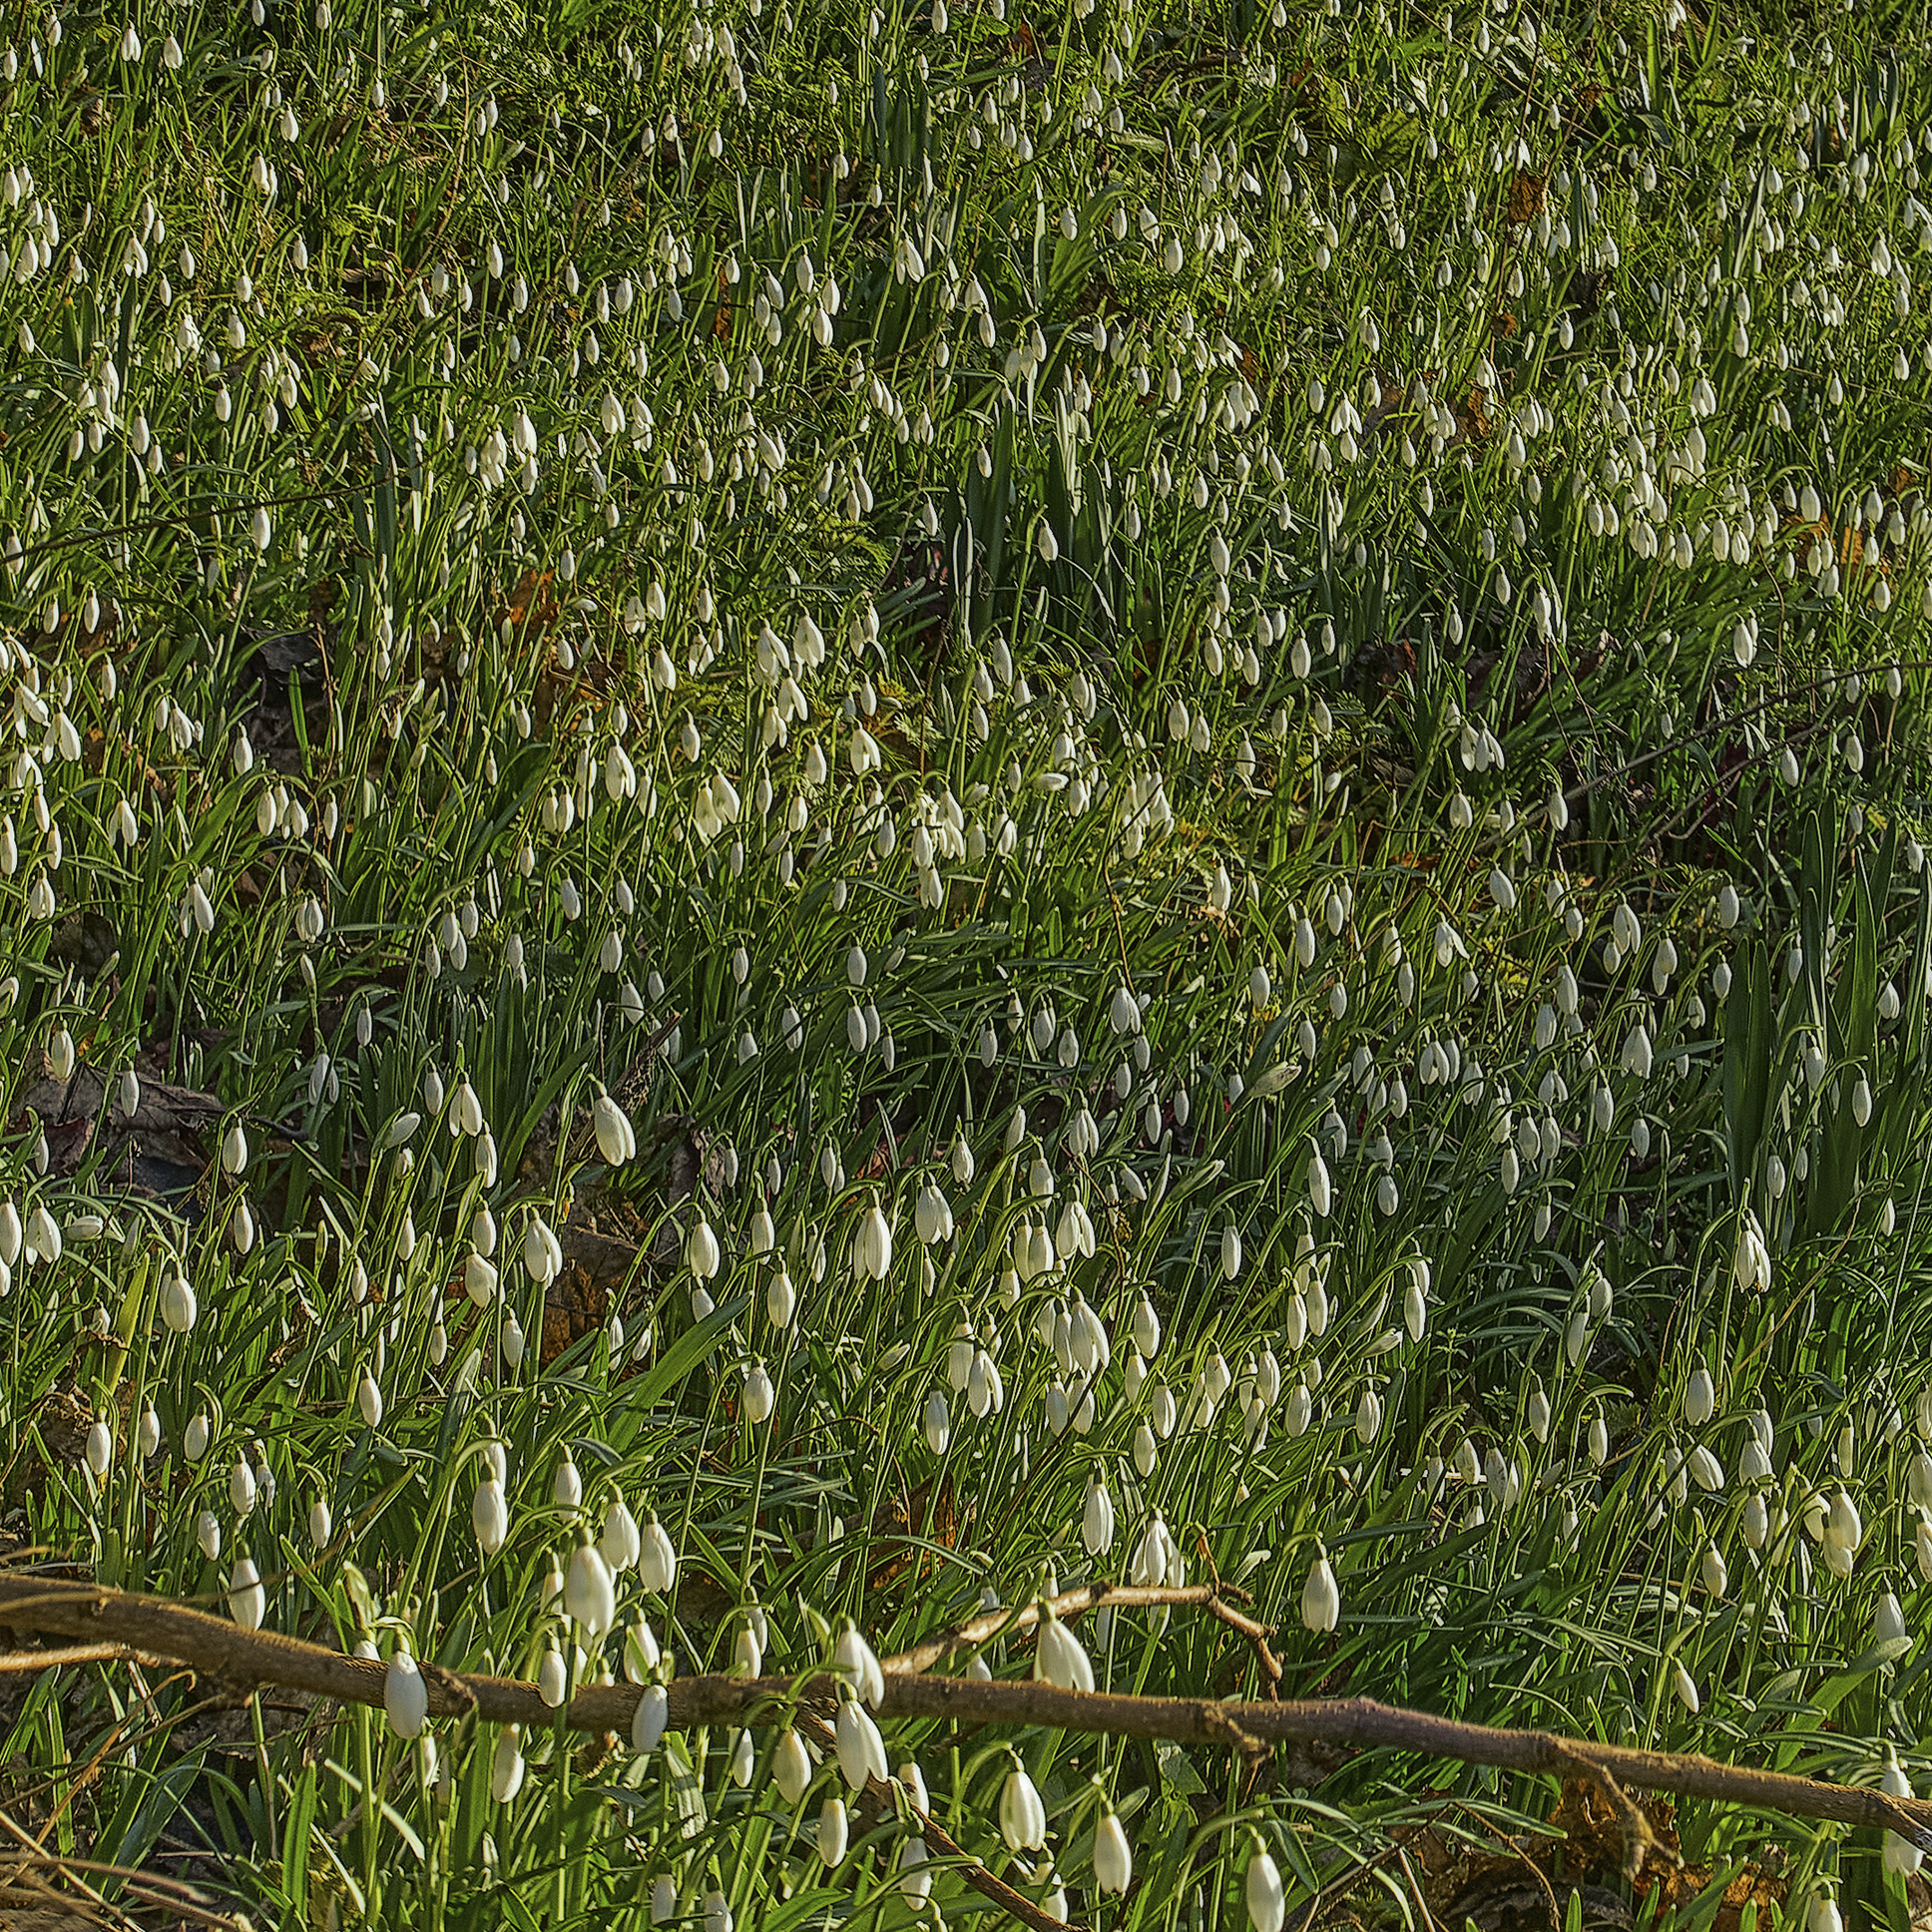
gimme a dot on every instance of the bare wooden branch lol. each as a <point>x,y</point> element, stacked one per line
<point>977,1631</point>
<point>1015,1904</point>
<point>215,1646</point>
<point>12,1661</point>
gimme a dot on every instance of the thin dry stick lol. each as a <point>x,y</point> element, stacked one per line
<point>40,1855</point>
<point>977,1631</point>
<point>75,1653</point>
<point>152,1887</point>
<point>219,1648</point>
<point>1014,1905</point>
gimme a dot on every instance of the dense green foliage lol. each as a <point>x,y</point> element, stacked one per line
<point>1259,676</point>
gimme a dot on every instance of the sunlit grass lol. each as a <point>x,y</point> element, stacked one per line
<point>1257,676</point>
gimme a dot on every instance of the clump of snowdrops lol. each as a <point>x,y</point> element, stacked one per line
<point>815,866</point>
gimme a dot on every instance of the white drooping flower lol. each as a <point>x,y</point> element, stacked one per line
<point>1751,1269</point>
<point>590,1591</point>
<point>1096,1519</point>
<point>1113,1855</point>
<point>834,1826</point>
<point>616,1139</point>
<point>857,1663</point>
<point>1686,1687</point>
<point>1266,1899</point>
<point>860,1748</point>
<point>700,1251</point>
<point>506,1765</point>
<point>1901,1856</point>
<point>621,1542</point>
<point>657,1559</point>
<point>1022,1813</point>
<point>932,1215</point>
<point>248,1601</point>
<point>1059,1657</point>
<point>405,1695</point>
<point>872,1245</point>
<point>650,1718</point>
<point>1700,1398</point>
<point>642,1655</point>
<point>1321,1595</point>
<point>490,1515</point>
<point>759,1395</point>
<point>791,1766</point>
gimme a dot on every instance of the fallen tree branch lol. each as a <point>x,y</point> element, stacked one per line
<point>217,1648</point>
<point>21,1661</point>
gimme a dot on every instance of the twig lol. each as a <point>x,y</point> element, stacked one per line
<point>1014,1904</point>
<point>1640,1841</point>
<point>153,1888</point>
<point>76,1654</point>
<point>996,1890</point>
<point>1535,1870</point>
<point>40,1855</point>
<point>1257,1636</point>
<point>979,1631</point>
<point>210,1645</point>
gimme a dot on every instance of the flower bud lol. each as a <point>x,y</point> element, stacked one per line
<point>648,1723</point>
<point>1023,1813</point>
<point>1321,1595</point>
<point>405,1696</point>
<point>791,1766</point>
<point>1266,1900</point>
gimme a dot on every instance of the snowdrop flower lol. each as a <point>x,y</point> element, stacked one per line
<point>1901,1857</point>
<point>833,1832</point>
<point>872,1246</point>
<point>1700,1398</point>
<point>1888,1622</point>
<point>657,1559</point>
<point>649,1720</point>
<point>856,1662</point>
<point>506,1764</point>
<point>590,1590</point>
<point>405,1695</point>
<point>791,1766</point>
<point>760,1396</point>
<point>1112,1856</point>
<point>701,1252</point>
<point>1320,1596</point>
<point>616,1139</point>
<point>640,1653</point>
<point>1022,1813</point>
<point>1685,1687</point>
<point>248,1601</point>
<point>1058,1657</point>
<point>1096,1519</point>
<point>1821,1914</point>
<point>1751,1269</point>
<point>490,1515</point>
<point>860,1748</point>
<point>1266,1899</point>
<point>621,1542</point>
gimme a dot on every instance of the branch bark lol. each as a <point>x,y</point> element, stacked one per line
<point>215,1647</point>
